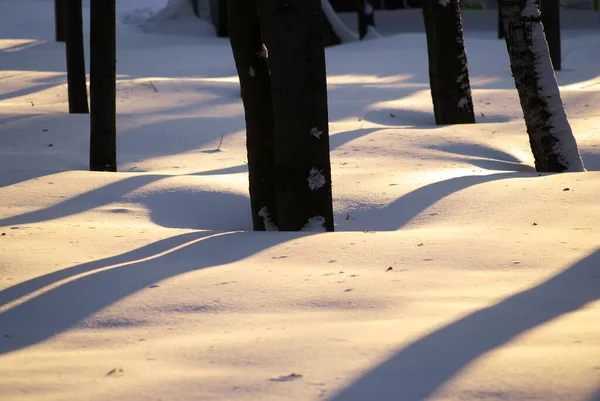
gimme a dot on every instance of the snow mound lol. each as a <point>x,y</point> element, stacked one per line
<point>177,18</point>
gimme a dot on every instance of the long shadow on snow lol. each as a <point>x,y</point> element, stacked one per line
<point>112,279</point>
<point>169,207</point>
<point>115,191</point>
<point>86,201</point>
<point>482,156</point>
<point>421,368</point>
<point>405,208</point>
<point>596,396</point>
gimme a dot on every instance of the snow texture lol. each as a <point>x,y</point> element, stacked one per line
<point>453,261</point>
<point>314,131</point>
<point>264,214</point>
<point>177,17</point>
<point>372,33</point>
<point>316,179</point>
<point>315,224</point>
<point>264,52</point>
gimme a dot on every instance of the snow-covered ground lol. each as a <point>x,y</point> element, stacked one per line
<point>456,272</point>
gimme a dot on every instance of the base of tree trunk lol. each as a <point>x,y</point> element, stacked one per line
<point>552,142</point>
<point>103,124</point>
<point>292,31</point>
<point>76,78</point>
<point>251,62</point>
<point>366,17</point>
<point>448,70</point>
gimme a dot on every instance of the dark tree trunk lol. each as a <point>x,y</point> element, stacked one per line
<point>293,33</point>
<point>448,70</point>
<point>195,7</point>
<point>500,24</point>
<point>251,62</point>
<point>103,137</point>
<point>330,38</point>
<point>78,101</point>
<point>551,22</point>
<point>60,30</point>
<point>366,17</point>
<point>218,11</point>
<point>552,142</point>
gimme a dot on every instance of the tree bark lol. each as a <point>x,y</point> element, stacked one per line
<point>60,31</point>
<point>251,62</point>
<point>500,24</point>
<point>293,33</point>
<point>103,136</point>
<point>366,17</point>
<point>218,10</point>
<point>551,21</point>
<point>552,142</point>
<point>330,38</point>
<point>78,101</point>
<point>448,69</point>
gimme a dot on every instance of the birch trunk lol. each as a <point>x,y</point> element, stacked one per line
<point>552,142</point>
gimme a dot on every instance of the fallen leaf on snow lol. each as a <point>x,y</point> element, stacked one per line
<point>287,378</point>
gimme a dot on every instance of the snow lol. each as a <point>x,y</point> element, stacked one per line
<point>177,17</point>
<point>372,33</point>
<point>264,52</point>
<point>340,29</point>
<point>456,271</point>
<point>316,223</point>
<point>314,131</point>
<point>266,216</point>
<point>315,179</point>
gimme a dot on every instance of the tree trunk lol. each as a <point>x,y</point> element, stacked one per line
<point>78,101</point>
<point>293,33</point>
<point>103,136</point>
<point>551,22</point>
<point>251,62</point>
<point>365,17</point>
<point>448,70</point>
<point>552,142</point>
<point>500,24</point>
<point>218,11</point>
<point>59,20</point>
<point>330,38</point>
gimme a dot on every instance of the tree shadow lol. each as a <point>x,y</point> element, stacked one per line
<point>86,201</point>
<point>596,396</point>
<point>98,284</point>
<point>591,160</point>
<point>421,368</point>
<point>172,207</point>
<point>242,168</point>
<point>401,211</point>
<point>483,156</point>
<point>41,85</point>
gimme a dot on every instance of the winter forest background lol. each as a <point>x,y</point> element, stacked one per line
<point>299,200</point>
